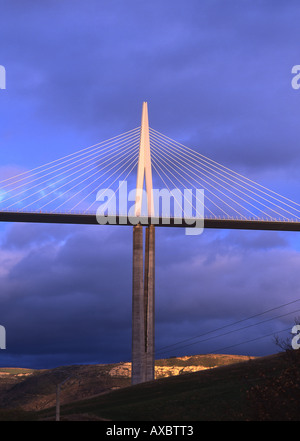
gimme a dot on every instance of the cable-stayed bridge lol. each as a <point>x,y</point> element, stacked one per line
<point>64,190</point>
<point>112,173</point>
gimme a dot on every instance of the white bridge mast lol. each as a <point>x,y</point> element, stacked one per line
<point>144,167</point>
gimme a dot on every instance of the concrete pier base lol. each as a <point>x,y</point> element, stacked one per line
<point>143,284</point>
<point>149,306</point>
<point>138,326</point>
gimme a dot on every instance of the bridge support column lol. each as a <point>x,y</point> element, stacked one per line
<point>149,300</point>
<point>143,359</point>
<point>138,326</point>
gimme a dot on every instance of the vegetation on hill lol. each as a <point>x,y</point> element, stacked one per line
<point>262,389</point>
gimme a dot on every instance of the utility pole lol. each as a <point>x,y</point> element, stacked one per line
<point>57,415</point>
<point>58,390</point>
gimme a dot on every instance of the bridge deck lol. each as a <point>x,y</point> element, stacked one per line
<point>90,219</point>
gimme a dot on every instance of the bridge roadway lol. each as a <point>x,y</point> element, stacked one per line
<point>91,219</point>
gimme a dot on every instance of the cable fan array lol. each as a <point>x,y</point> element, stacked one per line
<point>70,184</point>
<point>227,194</point>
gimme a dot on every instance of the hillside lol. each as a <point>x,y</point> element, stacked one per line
<point>33,390</point>
<point>264,389</point>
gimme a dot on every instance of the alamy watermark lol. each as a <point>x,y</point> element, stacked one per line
<point>177,207</point>
<point>2,77</point>
<point>296,339</point>
<point>2,337</point>
<point>296,78</point>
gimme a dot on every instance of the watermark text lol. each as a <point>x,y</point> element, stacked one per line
<point>2,337</point>
<point>171,207</point>
<point>2,77</point>
<point>296,78</point>
<point>296,339</point>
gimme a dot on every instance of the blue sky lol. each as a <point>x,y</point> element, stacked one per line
<point>217,78</point>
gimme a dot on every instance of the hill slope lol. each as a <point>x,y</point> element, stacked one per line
<point>36,389</point>
<point>266,388</point>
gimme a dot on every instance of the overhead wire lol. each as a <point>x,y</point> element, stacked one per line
<point>248,341</point>
<point>163,349</point>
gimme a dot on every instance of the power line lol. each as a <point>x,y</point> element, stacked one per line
<point>226,326</point>
<point>250,341</point>
<point>236,330</point>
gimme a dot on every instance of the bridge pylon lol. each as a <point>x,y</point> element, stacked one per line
<point>143,280</point>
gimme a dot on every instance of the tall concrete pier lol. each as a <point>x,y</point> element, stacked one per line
<point>143,305</point>
<point>138,321</point>
<point>149,303</point>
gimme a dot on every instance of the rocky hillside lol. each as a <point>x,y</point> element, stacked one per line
<point>36,389</point>
<point>181,365</point>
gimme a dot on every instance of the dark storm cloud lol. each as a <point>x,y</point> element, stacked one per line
<point>72,297</point>
<point>217,78</point>
<point>69,292</point>
<point>248,277</point>
<point>77,261</point>
<point>227,281</point>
